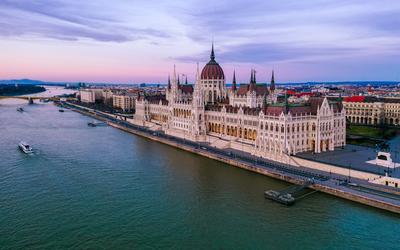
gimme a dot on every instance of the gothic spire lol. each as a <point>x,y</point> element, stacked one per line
<point>272,87</point>
<point>198,73</point>
<point>174,77</point>
<point>252,86</point>
<point>186,82</point>
<point>212,56</point>
<point>178,80</point>
<point>169,82</point>
<point>234,81</point>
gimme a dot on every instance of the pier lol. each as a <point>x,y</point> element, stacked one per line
<point>333,184</point>
<point>290,195</point>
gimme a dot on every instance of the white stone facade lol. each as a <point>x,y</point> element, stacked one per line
<point>258,125</point>
<point>90,95</point>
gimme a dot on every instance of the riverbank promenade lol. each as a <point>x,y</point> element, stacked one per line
<point>345,186</point>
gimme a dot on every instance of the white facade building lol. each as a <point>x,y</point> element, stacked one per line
<point>124,102</point>
<point>246,118</point>
<point>90,95</point>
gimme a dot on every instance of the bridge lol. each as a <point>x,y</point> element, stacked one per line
<point>31,99</point>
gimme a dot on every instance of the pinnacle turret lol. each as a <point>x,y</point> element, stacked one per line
<point>212,56</point>
<point>234,81</point>
<point>252,86</point>
<point>272,86</point>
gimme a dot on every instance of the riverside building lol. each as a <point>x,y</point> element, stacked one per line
<point>246,117</point>
<point>125,102</point>
<point>372,110</point>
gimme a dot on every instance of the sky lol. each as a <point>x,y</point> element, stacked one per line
<point>133,41</point>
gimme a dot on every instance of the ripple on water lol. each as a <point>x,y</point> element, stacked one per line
<point>103,188</point>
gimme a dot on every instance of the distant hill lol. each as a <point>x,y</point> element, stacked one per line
<point>31,82</point>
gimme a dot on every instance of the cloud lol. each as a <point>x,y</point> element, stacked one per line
<point>68,20</point>
<point>308,31</point>
<point>335,34</point>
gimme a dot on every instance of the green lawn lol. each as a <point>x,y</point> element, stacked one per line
<point>371,132</point>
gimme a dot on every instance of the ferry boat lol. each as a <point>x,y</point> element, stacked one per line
<point>25,147</point>
<point>286,199</point>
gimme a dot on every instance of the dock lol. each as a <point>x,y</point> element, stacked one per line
<point>290,195</point>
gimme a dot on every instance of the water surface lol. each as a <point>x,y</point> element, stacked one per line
<point>101,188</point>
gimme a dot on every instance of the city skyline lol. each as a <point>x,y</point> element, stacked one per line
<point>128,42</point>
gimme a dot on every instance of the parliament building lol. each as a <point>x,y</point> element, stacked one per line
<point>246,117</point>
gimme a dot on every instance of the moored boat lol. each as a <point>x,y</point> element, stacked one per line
<point>95,124</point>
<point>286,199</point>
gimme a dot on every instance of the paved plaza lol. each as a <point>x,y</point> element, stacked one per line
<point>355,157</point>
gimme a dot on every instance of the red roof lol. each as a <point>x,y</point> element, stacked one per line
<point>354,99</point>
<point>304,94</point>
<point>212,70</point>
<point>186,88</point>
<point>261,89</point>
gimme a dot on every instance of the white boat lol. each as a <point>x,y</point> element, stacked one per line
<point>25,147</point>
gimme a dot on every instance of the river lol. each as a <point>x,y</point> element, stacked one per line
<point>102,188</point>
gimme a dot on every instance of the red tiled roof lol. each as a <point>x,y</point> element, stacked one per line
<point>261,89</point>
<point>187,89</point>
<point>212,70</point>
<point>354,99</point>
<point>304,94</point>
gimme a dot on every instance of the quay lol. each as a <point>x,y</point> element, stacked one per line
<point>336,184</point>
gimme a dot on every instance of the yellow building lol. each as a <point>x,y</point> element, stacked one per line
<point>372,110</point>
<point>124,102</point>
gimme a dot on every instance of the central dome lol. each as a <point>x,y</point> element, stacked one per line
<point>212,70</point>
